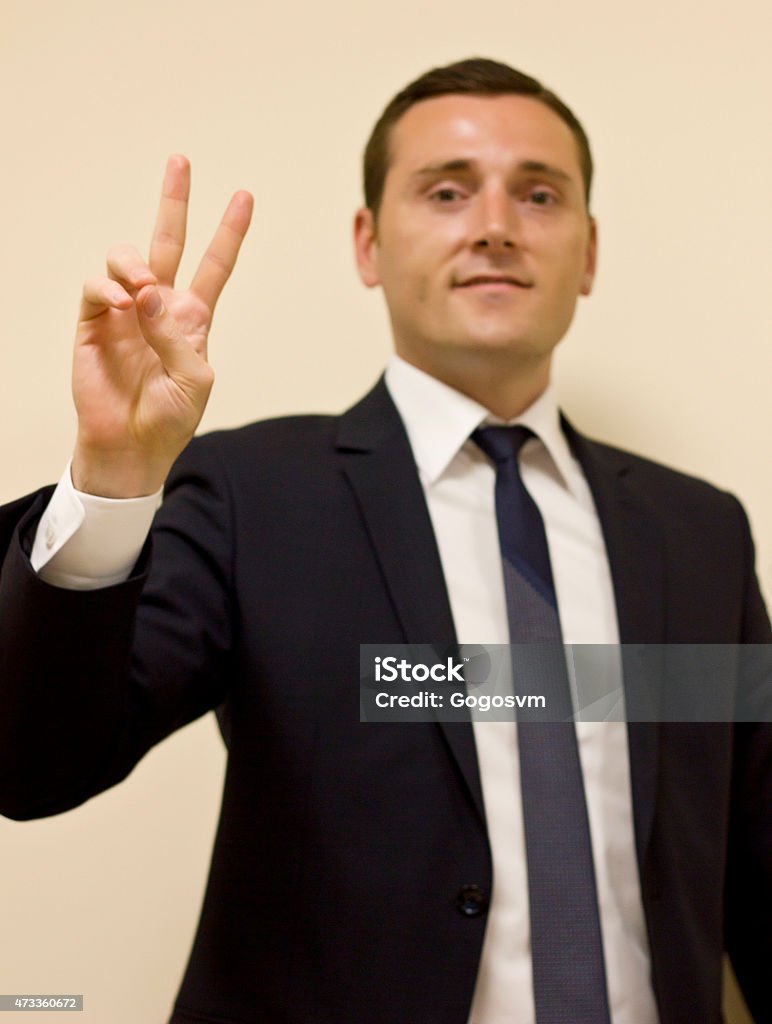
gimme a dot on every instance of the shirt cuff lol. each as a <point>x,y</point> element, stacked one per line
<point>84,542</point>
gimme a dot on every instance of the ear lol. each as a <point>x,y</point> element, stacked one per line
<point>592,257</point>
<point>366,247</point>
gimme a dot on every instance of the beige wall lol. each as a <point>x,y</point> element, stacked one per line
<point>670,357</point>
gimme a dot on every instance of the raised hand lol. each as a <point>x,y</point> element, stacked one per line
<point>141,378</point>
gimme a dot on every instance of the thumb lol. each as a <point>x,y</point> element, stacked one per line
<point>165,336</point>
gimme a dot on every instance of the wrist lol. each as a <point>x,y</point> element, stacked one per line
<point>117,474</point>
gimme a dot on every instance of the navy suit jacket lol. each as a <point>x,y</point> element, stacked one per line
<point>336,890</point>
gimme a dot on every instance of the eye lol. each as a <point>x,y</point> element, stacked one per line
<point>445,195</point>
<point>541,197</point>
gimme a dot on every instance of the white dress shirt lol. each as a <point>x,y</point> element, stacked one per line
<point>459,484</point>
<point>85,542</point>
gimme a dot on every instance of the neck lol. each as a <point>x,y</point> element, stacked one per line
<point>505,388</point>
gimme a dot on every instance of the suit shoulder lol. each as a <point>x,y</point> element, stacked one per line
<point>282,438</point>
<point>657,482</point>
<point>302,427</point>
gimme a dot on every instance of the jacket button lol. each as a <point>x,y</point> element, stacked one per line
<point>471,900</point>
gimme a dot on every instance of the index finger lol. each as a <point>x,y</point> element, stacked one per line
<point>220,258</point>
<point>168,238</point>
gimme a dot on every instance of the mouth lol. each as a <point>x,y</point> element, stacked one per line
<point>493,282</point>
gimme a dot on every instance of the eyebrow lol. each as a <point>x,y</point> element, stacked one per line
<point>461,164</point>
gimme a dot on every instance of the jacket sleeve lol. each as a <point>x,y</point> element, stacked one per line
<point>748,897</point>
<point>91,680</point>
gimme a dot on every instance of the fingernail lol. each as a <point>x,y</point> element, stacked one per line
<point>152,305</point>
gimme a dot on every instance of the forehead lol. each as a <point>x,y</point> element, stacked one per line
<point>495,128</point>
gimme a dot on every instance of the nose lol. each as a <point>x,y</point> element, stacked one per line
<point>497,224</point>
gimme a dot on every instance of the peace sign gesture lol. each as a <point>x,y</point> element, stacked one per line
<point>141,378</point>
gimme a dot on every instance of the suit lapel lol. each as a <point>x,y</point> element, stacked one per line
<point>378,462</point>
<point>634,546</point>
<point>633,541</point>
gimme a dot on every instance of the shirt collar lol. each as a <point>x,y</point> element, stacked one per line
<point>438,420</point>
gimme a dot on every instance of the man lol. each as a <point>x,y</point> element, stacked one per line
<point>392,873</point>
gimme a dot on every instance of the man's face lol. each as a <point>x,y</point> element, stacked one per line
<point>483,241</point>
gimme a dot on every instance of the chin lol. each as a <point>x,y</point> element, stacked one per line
<point>501,341</point>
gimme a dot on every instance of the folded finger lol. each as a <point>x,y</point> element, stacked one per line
<point>220,258</point>
<point>101,293</point>
<point>167,339</point>
<point>125,265</point>
<point>168,238</point>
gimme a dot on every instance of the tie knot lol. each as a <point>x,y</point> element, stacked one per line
<point>502,444</point>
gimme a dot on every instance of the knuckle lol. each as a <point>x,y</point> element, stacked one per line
<point>167,238</point>
<point>122,255</point>
<point>95,287</point>
<point>116,251</point>
<point>219,261</point>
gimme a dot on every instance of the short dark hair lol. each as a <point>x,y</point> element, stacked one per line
<point>477,76</point>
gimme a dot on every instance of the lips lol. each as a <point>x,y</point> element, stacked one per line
<point>503,280</point>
